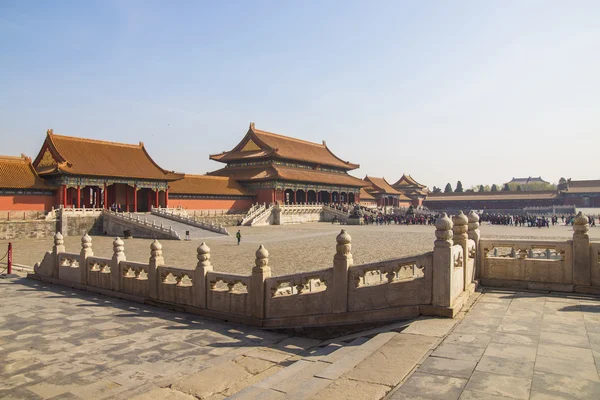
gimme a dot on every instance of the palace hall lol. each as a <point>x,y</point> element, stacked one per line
<point>279,168</point>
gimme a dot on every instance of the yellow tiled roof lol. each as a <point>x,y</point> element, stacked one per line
<point>205,184</point>
<point>18,173</point>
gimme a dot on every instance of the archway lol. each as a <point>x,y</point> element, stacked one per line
<point>343,197</point>
<point>351,198</point>
<point>335,197</point>
<point>324,197</point>
<point>311,196</point>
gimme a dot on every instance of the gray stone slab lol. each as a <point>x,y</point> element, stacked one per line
<point>459,352</point>
<point>565,385</point>
<point>520,327</point>
<point>570,353</point>
<point>499,385</point>
<point>505,366</point>
<point>466,339</point>
<point>578,330</point>
<point>448,367</point>
<point>515,338</point>
<point>564,339</point>
<point>437,327</point>
<point>472,395</point>
<point>573,368</point>
<point>512,352</point>
<point>426,386</point>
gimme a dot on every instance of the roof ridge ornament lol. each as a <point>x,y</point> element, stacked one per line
<point>50,131</point>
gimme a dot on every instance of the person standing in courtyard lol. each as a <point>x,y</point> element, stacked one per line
<point>238,236</point>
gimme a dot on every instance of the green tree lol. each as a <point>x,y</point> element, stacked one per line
<point>459,187</point>
<point>506,188</point>
<point>519,188</point>
<point>481,189</point>
<point>494,188</point>
<point>448,188</point>
<point>437,190</point>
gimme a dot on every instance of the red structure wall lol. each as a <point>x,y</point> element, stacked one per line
<point>211,204</point>
<point>27,202</point>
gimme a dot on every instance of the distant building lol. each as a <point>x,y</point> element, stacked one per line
<point>581,193</point>
<point>384,193</point>
<point>527,181</point>
<point>409,187</point>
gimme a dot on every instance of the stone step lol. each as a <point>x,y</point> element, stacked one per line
<point>316,370</point>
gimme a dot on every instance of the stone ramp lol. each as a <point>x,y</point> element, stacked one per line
<point>358,367</point>
<point>195,232</point>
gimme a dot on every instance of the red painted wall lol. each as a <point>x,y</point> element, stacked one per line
<point>21,202</point>
<point>211,204</point>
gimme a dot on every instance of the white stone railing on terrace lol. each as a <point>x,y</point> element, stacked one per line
<point>151,225</point>
<point>434,283</point>
<point>162,212</point>
<point>253,212</point>
<point>56,213</point>
<point>173,210</point>
<point>566,266</point>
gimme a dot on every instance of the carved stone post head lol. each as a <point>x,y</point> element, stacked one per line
<point>58,239</point>
<point>262,260</point>
<point>344,246</point>
<point>581,224</point>
<point>86,243</point>
<point>203,255</point>
<point>460,225</point>
<point>443,231</point>
<point>473,220</point>
<point>118,248</point>
<point>156,250</point>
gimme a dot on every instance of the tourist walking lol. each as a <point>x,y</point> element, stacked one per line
<point>238,236</point>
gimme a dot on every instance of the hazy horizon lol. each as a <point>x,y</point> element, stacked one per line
<point>479,92</point>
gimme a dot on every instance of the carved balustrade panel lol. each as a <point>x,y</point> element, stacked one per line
<point>301,294</point>
<point>68,267</point>
<point>391,283</point>
<point>98,272</point>
<point>134,278</point>
<point>228,293</point>
<point>458,271</point>
<point>175,285</point>
<point>524,260</point>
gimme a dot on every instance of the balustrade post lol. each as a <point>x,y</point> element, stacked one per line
<point>199,280</point>
<point>582,272</point>
<point>260,272</point>
<point>341,262</point>
<point>475,234</point>
<point>59,247</point>
<point>86,251</point>
<point>459,232</point>
<point>442,262</point>
<point>156,260</point>
<point>115,270</point>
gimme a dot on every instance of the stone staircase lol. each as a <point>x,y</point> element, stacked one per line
<point>179,227</point>
<point>368,365</point>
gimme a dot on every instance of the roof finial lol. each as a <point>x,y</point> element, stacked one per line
<point>324,143</point>
<point>252,125</point>
<point>50,131</point>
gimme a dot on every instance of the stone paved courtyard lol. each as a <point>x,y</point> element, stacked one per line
<point>515,346</point>
<point>58,343</point>
<point>292,248</point>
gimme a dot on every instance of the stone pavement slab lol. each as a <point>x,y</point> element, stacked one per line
<point>515,345</point>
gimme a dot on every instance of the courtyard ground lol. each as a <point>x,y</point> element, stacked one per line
<point>58,343</point>
<point>292,248</point>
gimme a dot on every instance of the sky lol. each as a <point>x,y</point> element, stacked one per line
<point>476,91</point>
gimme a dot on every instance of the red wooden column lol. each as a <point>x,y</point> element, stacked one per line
<point>98,201</point>
<point>156,205</point>
<point>78,196</point>
<point>134,198</point>
<point>126,198</point>
<point>167,198</point>
<point>105,193</point>
<point>64,196</point>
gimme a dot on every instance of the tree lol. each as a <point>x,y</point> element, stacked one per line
<point>562,181</point>
<point>481,189</point>
<point>506,188</point>
<point>437,190</point>
<point>519,188</point>
<point>448,188</point>
<point>459,188</point>
<point>494,188</point>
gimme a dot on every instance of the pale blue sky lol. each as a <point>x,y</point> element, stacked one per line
<point>477,91</point>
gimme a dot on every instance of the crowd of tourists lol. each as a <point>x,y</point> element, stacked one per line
<point>382,219</point>
<point>539,221</point>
